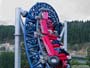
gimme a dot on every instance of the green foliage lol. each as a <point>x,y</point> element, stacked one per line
<point>6,60</point>
<point>88,56</point>
<point>6,33</point>
<point>24,61</point>
<point>74,62</point>
<point>78,32</point>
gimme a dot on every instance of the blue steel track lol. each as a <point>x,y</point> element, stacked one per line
<point>33,50</point>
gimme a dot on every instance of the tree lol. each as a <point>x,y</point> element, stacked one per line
<point>24,61</point>
<point>6,33</point>
<point>6,60</point>
<point>88,56</point>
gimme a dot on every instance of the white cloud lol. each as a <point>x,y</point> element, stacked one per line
<point>66,9</point>
<point>0,7</point>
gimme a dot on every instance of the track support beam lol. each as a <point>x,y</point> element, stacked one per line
<point>17,40</point>
<point>18,26</point>
<point>65,36</point>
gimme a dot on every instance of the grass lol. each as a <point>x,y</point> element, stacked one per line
<point>80,66</point>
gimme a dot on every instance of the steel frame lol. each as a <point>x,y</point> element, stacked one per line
<point>19,25</point>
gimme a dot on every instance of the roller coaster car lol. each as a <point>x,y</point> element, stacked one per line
<point>57,56</point>
<point>42,30</point>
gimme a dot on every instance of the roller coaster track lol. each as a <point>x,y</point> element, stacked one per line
<point>42,28</point>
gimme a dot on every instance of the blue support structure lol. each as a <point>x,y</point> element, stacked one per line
<point>35,48</point>
<point>32,46</point>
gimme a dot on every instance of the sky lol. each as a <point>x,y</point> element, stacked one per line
<point>67,10</point>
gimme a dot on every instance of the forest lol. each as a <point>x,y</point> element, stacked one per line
<point>6,33</point>
<point>78,32</point>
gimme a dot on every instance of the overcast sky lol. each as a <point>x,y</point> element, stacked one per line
<point>66,9</point>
